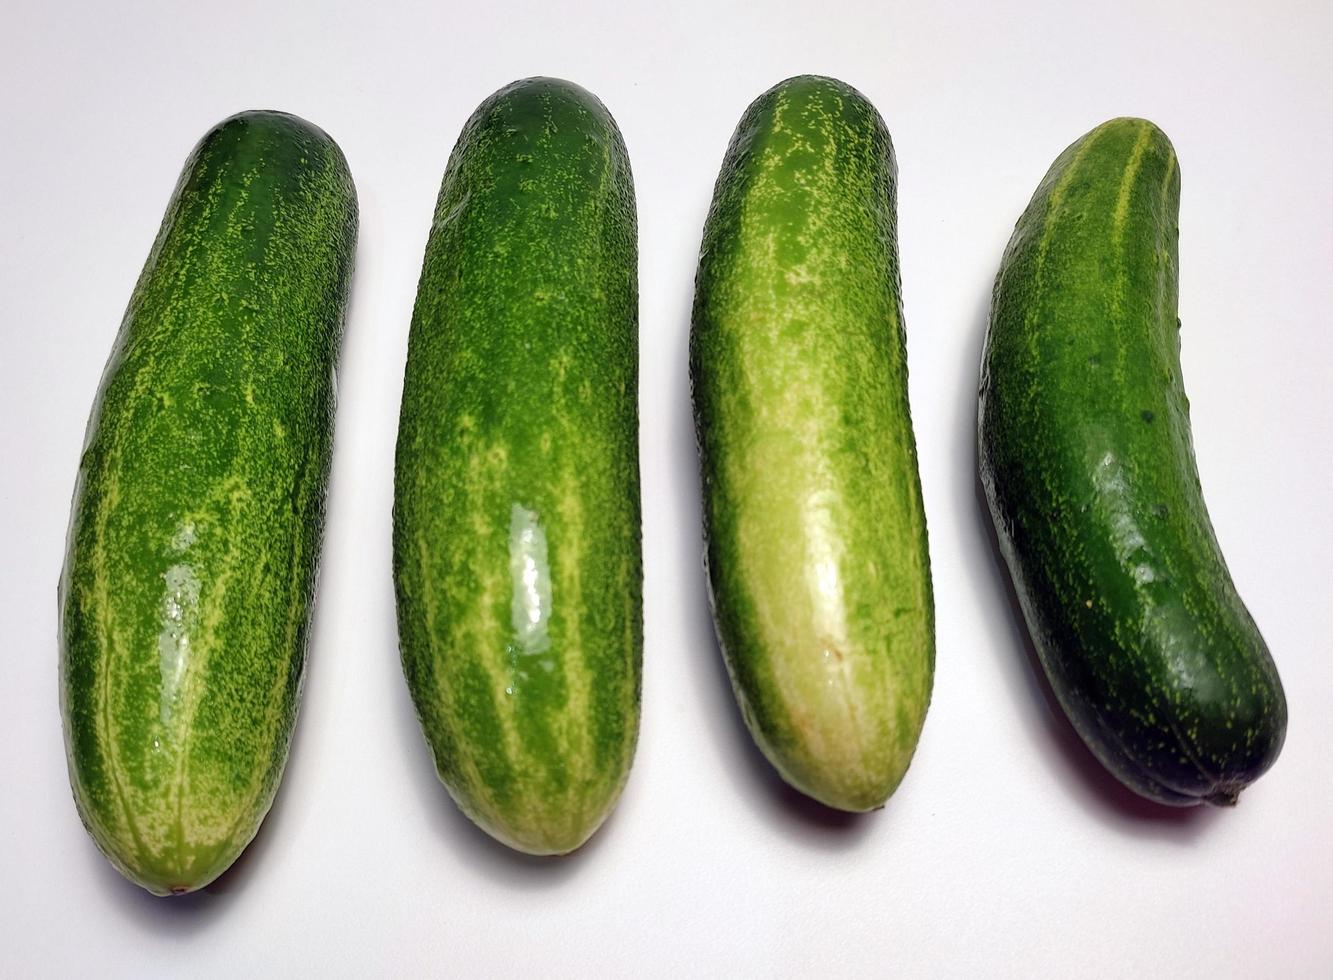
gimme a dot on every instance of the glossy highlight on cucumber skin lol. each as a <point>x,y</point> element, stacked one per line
<point>1088,468</point>
<point>195,530</point>
<point>816,550</point>
<point>517,554</point>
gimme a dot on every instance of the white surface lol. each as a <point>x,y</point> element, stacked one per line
<point>1006,851</point>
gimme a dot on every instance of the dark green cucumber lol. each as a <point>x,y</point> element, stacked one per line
<point>1088,465</point>
<point>816,537</point>
<point>516,508</point>
<point>187,587</point>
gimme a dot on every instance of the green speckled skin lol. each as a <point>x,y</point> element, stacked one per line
<point>193,543</point>
<point>816,536</point>
<point>1087,463</point>
<point>516,510</point>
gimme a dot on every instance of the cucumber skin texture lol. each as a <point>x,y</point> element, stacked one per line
<point>186,593</point>
<point>816,550</point>
<point>1087,463</point>
<point>518,456</point>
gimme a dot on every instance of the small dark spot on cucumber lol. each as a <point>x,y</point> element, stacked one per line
<point>1147,415</point>
<point>1159,511</point>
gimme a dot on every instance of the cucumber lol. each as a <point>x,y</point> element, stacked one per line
<point>516,535</point>
<point>195,531</point>
<point>815,533</point>
<point>1088,467</point>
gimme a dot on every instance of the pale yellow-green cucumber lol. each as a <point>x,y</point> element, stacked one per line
<point>816,535</point>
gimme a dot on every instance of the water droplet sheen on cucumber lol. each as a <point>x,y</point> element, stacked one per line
<point>195,531</point>
<point>1087,464</point>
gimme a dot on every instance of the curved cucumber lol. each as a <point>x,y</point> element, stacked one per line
<point>1088,466</point>
<point>516,508</point>
<point>187,587</point>
<point>816,536</point>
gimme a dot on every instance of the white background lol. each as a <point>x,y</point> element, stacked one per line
<point>1006,851</point>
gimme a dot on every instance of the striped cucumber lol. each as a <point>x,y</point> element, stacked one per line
<point>1088,466</point>
<point>816,536</point>
<point>516,508</point>
<point>186,593</point>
